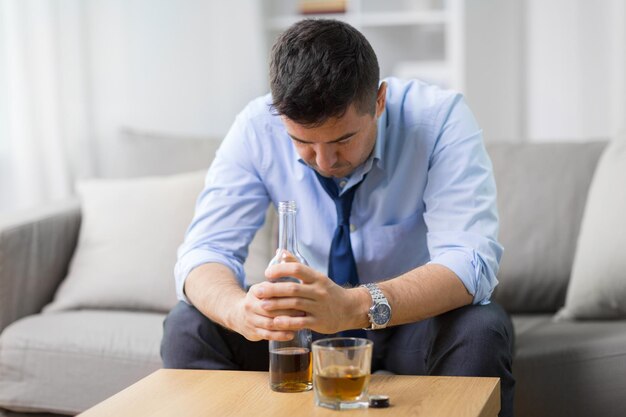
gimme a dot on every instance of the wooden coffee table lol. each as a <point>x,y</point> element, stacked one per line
<point>189,393</point>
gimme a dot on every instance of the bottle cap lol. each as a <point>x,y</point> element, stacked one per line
<point>379,401</point>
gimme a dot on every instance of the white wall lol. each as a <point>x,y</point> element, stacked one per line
<point>617,67</point>
<point>545,70</point>
<point>179,69</point>
<point>494,67</point>
<point>568,69</point>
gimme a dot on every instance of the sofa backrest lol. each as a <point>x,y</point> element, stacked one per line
<point>542,189</point>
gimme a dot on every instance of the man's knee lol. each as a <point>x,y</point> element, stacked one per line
<point>181,329</point>
<point>483,333</point>
<point>476,321</point>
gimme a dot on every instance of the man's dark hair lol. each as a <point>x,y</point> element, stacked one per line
<point>318,68</point>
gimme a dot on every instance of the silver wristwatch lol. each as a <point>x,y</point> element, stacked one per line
<point>380,311</point>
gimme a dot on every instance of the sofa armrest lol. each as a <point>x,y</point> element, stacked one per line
<point>36,247</point>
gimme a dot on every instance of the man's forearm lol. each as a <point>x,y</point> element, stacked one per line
<point>421,293</point>
<point>213,289</point>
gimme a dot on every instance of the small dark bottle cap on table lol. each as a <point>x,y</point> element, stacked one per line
<point>379,401</point>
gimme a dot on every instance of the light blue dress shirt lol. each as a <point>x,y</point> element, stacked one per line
<point>429,196</point>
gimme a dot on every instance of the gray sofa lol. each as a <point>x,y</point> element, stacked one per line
<point>65,362</point>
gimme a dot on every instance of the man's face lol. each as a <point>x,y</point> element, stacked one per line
<point>338,146</point>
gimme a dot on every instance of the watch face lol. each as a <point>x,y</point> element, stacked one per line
<point>381,314</point>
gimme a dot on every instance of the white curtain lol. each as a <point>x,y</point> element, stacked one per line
<point>45,141</point>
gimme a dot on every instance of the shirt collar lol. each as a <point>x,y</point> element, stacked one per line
<point>380,140</point>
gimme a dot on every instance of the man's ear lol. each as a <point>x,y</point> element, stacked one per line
<point>380,99</point>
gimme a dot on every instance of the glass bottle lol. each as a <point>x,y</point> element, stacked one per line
<point>290,361</point>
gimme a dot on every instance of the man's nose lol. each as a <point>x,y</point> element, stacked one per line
<point>325,157</point>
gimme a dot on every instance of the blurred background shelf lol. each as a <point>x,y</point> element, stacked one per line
<point>413,39</point>
<point>368,19</point>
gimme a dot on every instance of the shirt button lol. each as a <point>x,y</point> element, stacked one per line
<point>352,228</point>
<point>342,183</point>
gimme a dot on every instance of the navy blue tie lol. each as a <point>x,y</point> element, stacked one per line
<point>341,264</point>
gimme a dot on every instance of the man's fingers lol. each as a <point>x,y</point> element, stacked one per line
<point>269,290</point>
<point>281,326</point>
<point>281,336</point>
<point>293,269</point>
<point>265,328</point>
<point>293,323</point>
<point>290,304</point>
<point>261,322</point>
<point>285,256</point>
<point>290,313</point>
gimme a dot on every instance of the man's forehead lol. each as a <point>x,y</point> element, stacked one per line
<point>332,130</point>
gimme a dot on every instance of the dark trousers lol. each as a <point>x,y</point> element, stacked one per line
<point>469,341</point>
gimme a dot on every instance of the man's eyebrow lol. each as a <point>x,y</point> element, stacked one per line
<point>339,139</point>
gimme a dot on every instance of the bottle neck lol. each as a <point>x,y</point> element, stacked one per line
<point>287,236</point>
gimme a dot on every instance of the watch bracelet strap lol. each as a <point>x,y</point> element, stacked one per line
<point>376,293</point>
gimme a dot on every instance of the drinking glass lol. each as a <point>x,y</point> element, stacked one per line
<point>341,372</point>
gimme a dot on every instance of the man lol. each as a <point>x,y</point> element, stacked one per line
<point>422,222</point>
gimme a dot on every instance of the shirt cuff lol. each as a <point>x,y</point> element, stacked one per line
<point>471,270</point>
<point>194,259</point>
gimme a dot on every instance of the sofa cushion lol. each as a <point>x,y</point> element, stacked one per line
<point>542,189</point>
<point>69,361</point>
<point>597,289</point>
<point>569,368</point>
<point>127,244</point>
<point>131,229</point>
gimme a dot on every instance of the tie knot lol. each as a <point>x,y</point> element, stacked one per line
<point>343,202</point>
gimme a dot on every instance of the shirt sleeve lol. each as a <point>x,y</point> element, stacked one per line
<point>229,210</point>
<point>460,202</point>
